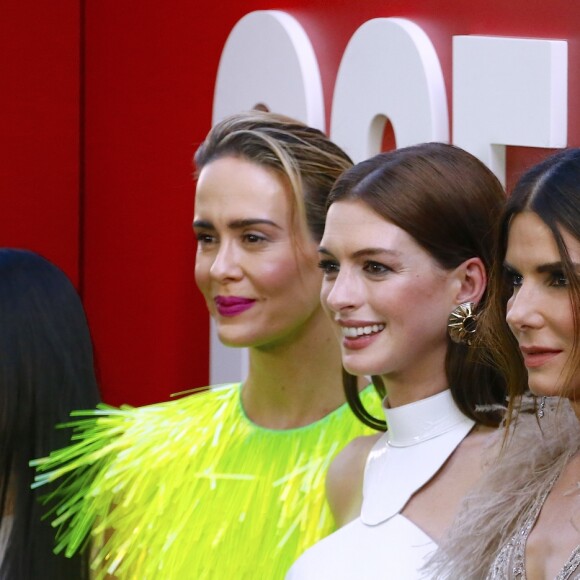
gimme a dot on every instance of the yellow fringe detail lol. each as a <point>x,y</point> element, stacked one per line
<point>192,488</point>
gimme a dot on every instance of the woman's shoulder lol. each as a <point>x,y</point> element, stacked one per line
<point>344,480</point>
<point>187,405</point>
<point>113,435</point>
<point>354,455</point>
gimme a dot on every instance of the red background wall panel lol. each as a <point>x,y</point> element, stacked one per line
<point>39,129</point>
<point>149,73</point>
<point>149,325</point>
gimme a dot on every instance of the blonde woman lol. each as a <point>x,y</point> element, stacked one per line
<point>229,483</point>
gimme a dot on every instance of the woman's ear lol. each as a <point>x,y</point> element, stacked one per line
<point>472,279</point>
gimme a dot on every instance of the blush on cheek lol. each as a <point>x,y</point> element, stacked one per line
<point>200,276</point>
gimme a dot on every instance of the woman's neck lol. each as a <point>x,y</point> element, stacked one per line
<point>296,381</point>
<point>415,384</point>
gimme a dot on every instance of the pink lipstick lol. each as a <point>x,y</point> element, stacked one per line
<point>232,305</point>
<point>358,335</point>
<point>536,356</point>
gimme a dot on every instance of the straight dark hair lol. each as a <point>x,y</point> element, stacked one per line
<point>551,190</point>
<point>46,371</point>
<point>449,202</point>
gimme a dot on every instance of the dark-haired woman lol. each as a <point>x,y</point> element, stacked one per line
<point>523,520</point>
<point>46,371</point>
<point>405,254</point>
<point>229,483</point>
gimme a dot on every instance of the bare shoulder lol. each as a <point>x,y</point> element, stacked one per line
<point>456,478</point>
<point>353,455</point>
<point>474,455</point>
<point>344,480</point>
<point>483,445</point>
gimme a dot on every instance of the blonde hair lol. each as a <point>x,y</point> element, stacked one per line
<point>302,155</point>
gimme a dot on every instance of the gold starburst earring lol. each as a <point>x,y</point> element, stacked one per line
<point>462,324</point>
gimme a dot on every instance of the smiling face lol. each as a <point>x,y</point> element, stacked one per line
<point>539,311</point>
<point>389,298</point>
<point>257,274</point>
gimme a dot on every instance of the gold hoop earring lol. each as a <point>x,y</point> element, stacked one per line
<point>462,324</point>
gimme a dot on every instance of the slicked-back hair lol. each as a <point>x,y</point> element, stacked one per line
<point>302,155</point>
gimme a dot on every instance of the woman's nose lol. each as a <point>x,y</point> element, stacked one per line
<point>226,264</point>
<point>342,293</point>
<point>524,308</point>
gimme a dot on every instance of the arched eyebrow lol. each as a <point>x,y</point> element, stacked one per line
<point>236,224</point>
<point>558,268</point>
<point>364,252</point>
<point>555,267</point>
<point>551,267</point>
<point>548,268</point>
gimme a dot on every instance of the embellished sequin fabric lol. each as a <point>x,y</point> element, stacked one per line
<point>192,489</point>
<point>481,542</point>
<point>510,561</point>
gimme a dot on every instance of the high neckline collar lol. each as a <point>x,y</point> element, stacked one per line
<point>422,420</point>
<point>420,439</point>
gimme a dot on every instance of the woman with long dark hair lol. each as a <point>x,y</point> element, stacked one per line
<point>523,520</point>
<point>407,245</point>
<point>46,371</point>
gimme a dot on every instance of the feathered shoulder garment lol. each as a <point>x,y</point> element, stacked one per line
<point>535,450</point>
<point>192,488</point>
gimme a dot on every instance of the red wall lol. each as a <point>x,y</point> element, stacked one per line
<point>148,73</point>
<point>39,129</point>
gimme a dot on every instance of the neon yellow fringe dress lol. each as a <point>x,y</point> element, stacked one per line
<point>192,489</point>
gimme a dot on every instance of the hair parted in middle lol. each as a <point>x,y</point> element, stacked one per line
<point>551,190</point>
<point>449,202</point>
<point>302,155</point>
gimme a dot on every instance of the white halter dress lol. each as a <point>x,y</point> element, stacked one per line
<point>383,542</point>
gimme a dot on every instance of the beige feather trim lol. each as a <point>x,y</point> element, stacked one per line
<point>489,515</point>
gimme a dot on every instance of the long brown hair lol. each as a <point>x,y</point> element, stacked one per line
<point>449,202</point>
<point>550,189</point>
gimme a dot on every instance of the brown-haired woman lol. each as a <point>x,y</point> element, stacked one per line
<point>523,520</point>
<point>407,243</point>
